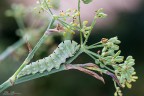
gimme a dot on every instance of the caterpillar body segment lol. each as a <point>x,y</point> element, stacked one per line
<point>64,50</point>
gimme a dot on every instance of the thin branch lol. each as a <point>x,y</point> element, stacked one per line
<point>95,46</point>
<point>38,75</point>
<point>98,56</point>
<point>64,23</point>
<point>80,68</point>
<point>31,54</point>
<point>92,25</point>
<point>48,7</point>
<point>81,38</point>
<point>5,85</point>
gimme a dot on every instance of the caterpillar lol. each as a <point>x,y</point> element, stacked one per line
<point>64,50</point>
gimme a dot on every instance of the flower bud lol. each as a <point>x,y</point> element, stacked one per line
<point>128,85</point>
<point>101,15</point>
<point>119,59</point>
<point>85,23</point>
<point>114,40</point>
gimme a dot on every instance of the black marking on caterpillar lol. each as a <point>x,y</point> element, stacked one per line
<point>64,50</point>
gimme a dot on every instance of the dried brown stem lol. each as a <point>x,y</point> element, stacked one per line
<point>58,29</point>
<point>80,68</point>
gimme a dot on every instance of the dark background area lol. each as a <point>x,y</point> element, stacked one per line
<point>130,30</point>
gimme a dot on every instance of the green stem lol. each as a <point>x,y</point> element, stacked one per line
<point>107,68</point>
<point>38,75</point>
<point>90,55</point>
<point>12,79</point>
<point>92,25</point>
<point>64,23</point>
<point>79,15</point>
<point>48,7</point>
<point>96,43</point>
<point>97,46</point>
<point>98,56</point>
<point>9,83</point>
<point>94,54</point>
<point>5,85</point>
<point>31,54</point>
<point>81,38</point>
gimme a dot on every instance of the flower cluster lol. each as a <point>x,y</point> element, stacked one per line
<point>110,46</point>
<point>70,15</point>
<point>123,69</point>
<point>125,72</point>
<point>108,55</point>
<point>118,92</point>
<point>100,13</point>
<point>85,29</point>
<point>44,5</point>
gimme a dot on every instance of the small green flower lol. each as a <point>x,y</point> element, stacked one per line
<point>118,92</point>
<point>100,13</point>
<point>126,72</point>
<point>114,40</point>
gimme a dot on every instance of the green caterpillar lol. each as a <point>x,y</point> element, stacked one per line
<point>64,50</point>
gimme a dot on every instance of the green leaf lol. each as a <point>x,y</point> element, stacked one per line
<point>87,1</point>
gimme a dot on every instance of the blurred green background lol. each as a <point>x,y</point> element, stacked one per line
<point>129,27</point>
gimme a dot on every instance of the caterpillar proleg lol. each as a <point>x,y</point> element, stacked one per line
<point>64,50</point>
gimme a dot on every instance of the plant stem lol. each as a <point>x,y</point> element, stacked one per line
<point>107,68</point>
<point>96,43</point>
<point>64,23</point>
<point>94,54</point>
<point>5,85</point>
<point>92,46</point>
<point>92,25</point>
<point>98,56</point>
<point>12,79</point>
<point>38,75</point>
<point>48,7</point>
<point>31,54</point>
<point>9,83</point>
<point>90,55</point>
<point>79,15</point>
<point>81,38</point>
